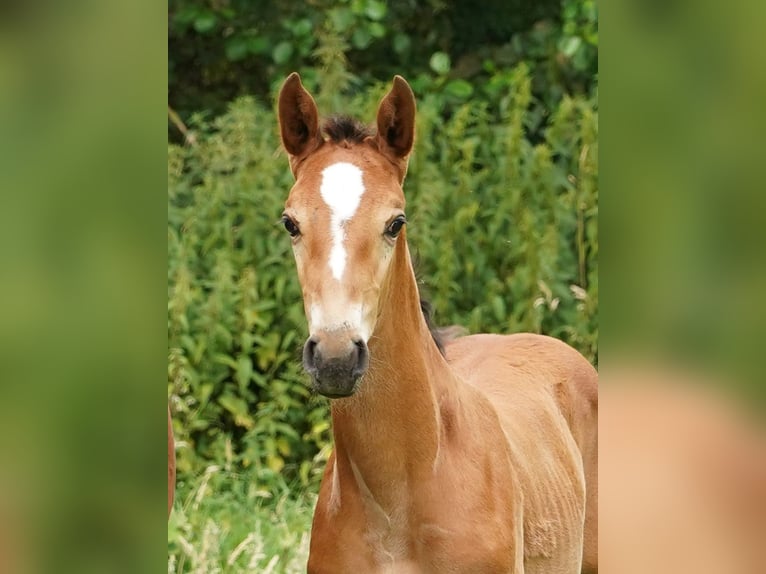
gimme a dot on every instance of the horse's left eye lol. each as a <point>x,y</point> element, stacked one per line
<point>290,226</point>
<point>395,226</point>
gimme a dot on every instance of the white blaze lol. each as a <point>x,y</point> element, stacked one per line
<point>341,190</point>
<point>337,315</point>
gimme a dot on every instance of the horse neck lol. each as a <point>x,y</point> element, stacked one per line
<point>389,432</point>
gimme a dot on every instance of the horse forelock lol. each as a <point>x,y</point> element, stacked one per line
<point>341,128</point>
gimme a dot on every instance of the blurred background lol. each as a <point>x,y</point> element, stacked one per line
<point>502,198</point>
<point>97,180</point>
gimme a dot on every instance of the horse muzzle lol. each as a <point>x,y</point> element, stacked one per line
<point>335,363</point>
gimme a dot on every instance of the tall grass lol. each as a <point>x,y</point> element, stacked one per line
<point>221,524</point>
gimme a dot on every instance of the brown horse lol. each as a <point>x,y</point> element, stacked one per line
<point>473,461</point>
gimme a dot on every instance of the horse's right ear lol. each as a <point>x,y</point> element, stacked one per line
<point>396,123</point>
<point>298,120</point>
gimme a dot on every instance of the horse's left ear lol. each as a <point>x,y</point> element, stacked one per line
<point>298,120</point>
<point>396,121</point>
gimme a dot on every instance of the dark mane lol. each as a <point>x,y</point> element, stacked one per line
<point>436,335</point>
<point>345,129</point>
<point>440,335</point>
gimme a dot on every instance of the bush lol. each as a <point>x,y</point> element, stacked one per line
<point>220,50</point>
<point>235,315</point>
<point>504,230</point>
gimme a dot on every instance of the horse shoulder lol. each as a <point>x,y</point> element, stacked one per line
<point>338,529</point>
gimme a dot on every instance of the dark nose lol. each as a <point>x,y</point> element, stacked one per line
<point>335,363</point>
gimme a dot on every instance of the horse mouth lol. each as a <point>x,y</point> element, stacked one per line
<point>336,389</point>
<point>337,374</point>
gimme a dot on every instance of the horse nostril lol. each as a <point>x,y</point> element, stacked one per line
<point>309,354</point>
<point>362,357</point>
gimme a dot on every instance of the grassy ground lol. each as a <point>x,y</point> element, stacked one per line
<point>223,523</point>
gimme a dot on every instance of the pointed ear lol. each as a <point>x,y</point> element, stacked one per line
<point>396,121</point>
<point>298,119</point>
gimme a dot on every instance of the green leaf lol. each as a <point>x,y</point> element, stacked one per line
<point>258,45</point>
<point>498,306</point>
<point>460,89</point>
<point>244,372</point>
<point>341,19</point>
<point>440,63</point>
<point>238,408</point>
<point>186,15</point>
<point>401,43</point>
<point>377,30</point>
<point>274,462</point>
<point>225,360</point>
<point>568,46</point>
<point>282,52</point>
<point>375,10</point>
<point>205,22</point>
<point>302,27</point>
<point>360,38</point>
<point>580,60</point>
<point>236,48</point>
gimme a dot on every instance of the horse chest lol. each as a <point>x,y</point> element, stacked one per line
<point>431,548</point>
<point>441,553</point>
<point>387,537</point>
<point>402,567</point>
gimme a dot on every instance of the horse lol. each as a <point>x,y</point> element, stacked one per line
<point>478,459</point>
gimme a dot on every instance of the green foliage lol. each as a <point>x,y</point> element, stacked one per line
<point>503,226</point>
<point>235,318</point>
<point>219,50</point>
<point>506,229</point>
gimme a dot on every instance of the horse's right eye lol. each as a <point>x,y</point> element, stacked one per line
<point>291,226</point>
<point>395,227</point>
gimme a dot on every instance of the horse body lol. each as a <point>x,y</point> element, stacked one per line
<point>471,462</point>
<point>546,396</point>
